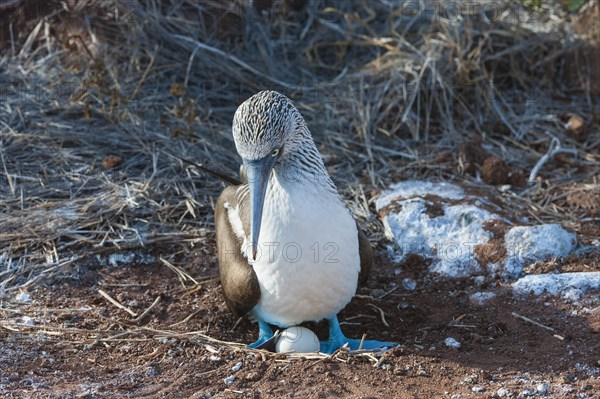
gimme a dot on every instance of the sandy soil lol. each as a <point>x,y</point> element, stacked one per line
<point>500,354</point>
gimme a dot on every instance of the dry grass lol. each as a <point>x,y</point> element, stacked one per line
<point>385,89</point>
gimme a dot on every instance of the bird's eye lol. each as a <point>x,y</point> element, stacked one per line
<point>275,152</point>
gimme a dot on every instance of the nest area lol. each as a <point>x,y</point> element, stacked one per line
<point>101,99</point>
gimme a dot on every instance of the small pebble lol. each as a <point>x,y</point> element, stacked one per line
<point>409,284</point>
<point>502,392</point>
<point>542,389</point>
<point>214,358</point>
<point>480,298</point>
<point>478,389</point>
<point>521,378</point>
<point>526,392</point>
<point>229,380</point>
<point>237,367</point>
<point>452,343</point>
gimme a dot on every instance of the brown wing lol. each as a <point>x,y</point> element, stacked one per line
<point>238,279</point>
<point>366,256</point>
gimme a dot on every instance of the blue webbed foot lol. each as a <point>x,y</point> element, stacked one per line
<point>337,339</point>
<point>265,335</point>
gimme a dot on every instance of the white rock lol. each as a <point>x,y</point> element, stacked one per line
<point>115,259</point>
<point>526,392</point>
<point>572,294</point>
<point>237,367</point>
<point>502,392</point>
<point>297,340</point>
<point>229,380</point>
<point>450,239</point>
<point>566,284</point>
<point>542,389</point>
<point>416,188</point>
<point>480,298</point>
<point>478,389</point>
<point>452,343</point>
<point>409,284</point>
<point>526,244</point>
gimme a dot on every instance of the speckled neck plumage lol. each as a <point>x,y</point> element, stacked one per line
<point>304,164</point>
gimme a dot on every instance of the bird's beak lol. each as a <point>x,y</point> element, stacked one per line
<point>258,173</point>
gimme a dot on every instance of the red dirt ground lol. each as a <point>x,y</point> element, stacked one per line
<point>67,353</point>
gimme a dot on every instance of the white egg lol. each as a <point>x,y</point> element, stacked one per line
<point>297,340</point>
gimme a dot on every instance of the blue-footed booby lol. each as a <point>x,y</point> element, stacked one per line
<point>289,249</point>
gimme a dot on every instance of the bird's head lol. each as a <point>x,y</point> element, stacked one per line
<point>263,124</point>
<point>264,129</point>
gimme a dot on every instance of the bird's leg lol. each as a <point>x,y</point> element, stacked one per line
<point>337,339</point>
<point>265,333</point>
